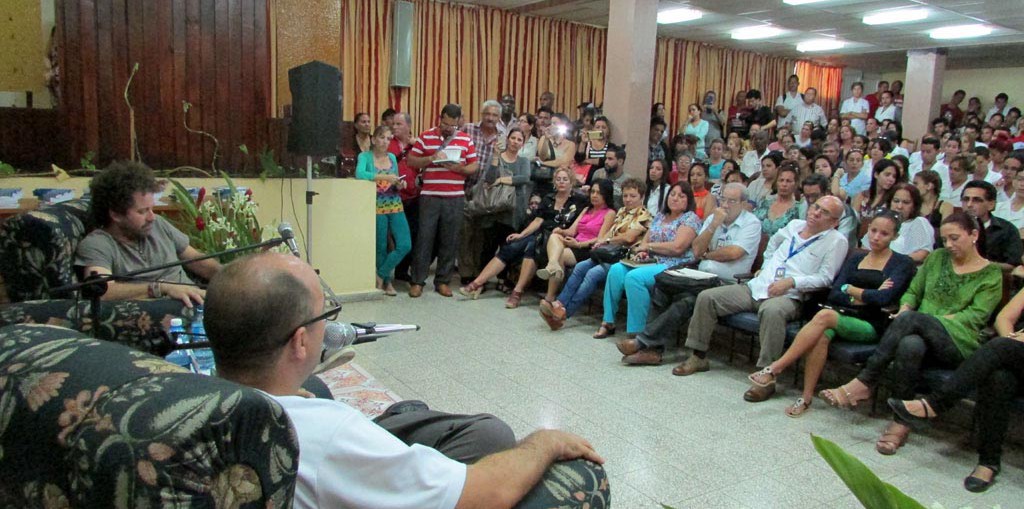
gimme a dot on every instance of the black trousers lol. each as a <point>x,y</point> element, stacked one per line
<point>912,341</point>
<point>666,315</point>
<point>995,370</point>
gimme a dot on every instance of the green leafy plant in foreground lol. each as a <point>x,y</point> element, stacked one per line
<point>871,491</point>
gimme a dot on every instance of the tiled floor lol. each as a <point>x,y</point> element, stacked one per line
<point>687,442</point>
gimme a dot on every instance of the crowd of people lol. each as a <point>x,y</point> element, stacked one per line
<point>768,204</point>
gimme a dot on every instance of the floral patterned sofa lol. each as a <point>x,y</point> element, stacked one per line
<point>90,423</point>
<point>37,250</point>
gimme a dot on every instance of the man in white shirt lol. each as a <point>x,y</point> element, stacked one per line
<point>960,169</point>
<point>856,108</point>
<point>929,160</point>
<point>803,256</point>
<point>886,109</point>
<point>786,102</point>
<point>1001,106</point>
<point>751,163</point>
<point>346,460</point>
<point>726,245</point>
<point>809,111</point>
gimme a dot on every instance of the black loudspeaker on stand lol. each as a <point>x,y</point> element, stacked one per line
<point>315,123</point>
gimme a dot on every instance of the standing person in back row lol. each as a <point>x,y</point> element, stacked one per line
<point>442,198</point>
<point>855,109</point>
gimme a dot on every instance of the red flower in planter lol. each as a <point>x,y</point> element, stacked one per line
<point>248,195</point>
<point>200,224</point>
<point>199,199</point>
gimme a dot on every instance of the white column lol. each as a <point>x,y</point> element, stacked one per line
<point>922,91</point>
<point>629,77</point>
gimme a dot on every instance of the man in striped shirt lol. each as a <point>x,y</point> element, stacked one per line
<point>442,197</point>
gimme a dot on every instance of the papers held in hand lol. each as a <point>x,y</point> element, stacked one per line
<point>449,155</point>
<point>690,273</point>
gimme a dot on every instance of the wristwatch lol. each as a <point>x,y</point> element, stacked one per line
<point>844,288</point>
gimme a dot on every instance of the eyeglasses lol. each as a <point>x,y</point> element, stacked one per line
<point>823,210</point>
<point>330,314</point>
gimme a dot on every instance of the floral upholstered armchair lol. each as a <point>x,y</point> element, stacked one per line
<point>89,423</point>
<point>37,251</point>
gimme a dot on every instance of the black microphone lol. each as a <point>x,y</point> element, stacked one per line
<point>285,231</point>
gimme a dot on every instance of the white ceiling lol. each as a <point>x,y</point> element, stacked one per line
<point>876,48</point>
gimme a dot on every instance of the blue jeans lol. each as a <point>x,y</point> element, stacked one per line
<point>399,228</point>
<point>585,278</point>
<point>636,283</point>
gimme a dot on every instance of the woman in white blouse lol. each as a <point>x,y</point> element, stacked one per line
<point>916,237</point>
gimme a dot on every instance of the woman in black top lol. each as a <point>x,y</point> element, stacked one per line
<point>557,210</point>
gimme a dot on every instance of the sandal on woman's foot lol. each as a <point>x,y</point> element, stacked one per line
<point>763,378</point>
<point>976,484</point>
<point>894,436</point>
<point>472,290</point>
<point>545,308</point>
<point>899,408</point>
<point>513,300</point>
<point>606,330</point>
<point>553,322</point>
<point>798,408</point>
<point>839,397</point>
<point>558,311</point>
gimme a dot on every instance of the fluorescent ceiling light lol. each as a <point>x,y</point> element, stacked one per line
<point>756,32</point>
<point>895,16</point>
<point>960,32</point>
<point>801,2</point>
<point>678,15</point>
<point>819,45</point>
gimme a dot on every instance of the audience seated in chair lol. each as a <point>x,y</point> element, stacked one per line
<point>413,458</point>
<point>802,257</point>
<point>631,222</point>
<point>726,246</point>
<point>557,210</point>
<point>947,304</point>
<point>667,244</point>
<point>996,371</point>
<point>868,282</point>
<point>568,246</point>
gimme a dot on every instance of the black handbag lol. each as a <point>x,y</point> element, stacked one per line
<point>671,284</point>
<point>608,253</point>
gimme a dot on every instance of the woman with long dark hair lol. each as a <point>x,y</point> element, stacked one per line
<point>657,185</point>
<point>940,317</point>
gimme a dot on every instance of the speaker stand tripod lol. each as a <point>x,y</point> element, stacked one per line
<point>309,209</point>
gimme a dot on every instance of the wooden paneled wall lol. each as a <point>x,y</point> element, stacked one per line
<point>215,54</point>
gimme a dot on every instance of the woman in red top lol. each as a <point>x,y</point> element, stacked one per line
<point>704,201</point>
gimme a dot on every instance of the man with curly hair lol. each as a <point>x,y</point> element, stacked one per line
<point>130,237</point>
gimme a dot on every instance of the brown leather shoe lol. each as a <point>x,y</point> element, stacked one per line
<point>691,365</point>
<point>645,357</point>
<point>757,394</point>
<point>443,290</point>
<point>415,291</point>
<point>628,346</point>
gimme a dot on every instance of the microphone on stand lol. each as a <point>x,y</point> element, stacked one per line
<point>339,338</point>
<point>285,231</point>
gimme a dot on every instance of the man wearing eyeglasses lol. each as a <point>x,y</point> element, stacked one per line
<point>726,245</point>
<point>258,313</point>
<point>802,257</point>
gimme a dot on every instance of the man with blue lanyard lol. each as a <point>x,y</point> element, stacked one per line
<point>802,257</point>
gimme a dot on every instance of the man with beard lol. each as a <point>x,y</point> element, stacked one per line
<point>131,237</point>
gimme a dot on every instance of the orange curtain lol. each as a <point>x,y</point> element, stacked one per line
<point>468,54</point>
<point>685,70</point>
<point>827,79</point>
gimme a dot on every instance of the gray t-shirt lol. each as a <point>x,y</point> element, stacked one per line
<point>164,244</point>
<point>616,181</point>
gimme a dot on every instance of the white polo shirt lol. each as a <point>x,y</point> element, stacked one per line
<point>744,232</point>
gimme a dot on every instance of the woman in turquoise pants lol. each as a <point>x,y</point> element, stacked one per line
<point>668,241</point>
<point>380,166</point>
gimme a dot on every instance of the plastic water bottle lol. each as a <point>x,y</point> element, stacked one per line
<point>203,356</point>
<point>179,357</point>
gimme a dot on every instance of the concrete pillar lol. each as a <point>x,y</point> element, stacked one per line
<point>922,91</point>
<point>629,77</point>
